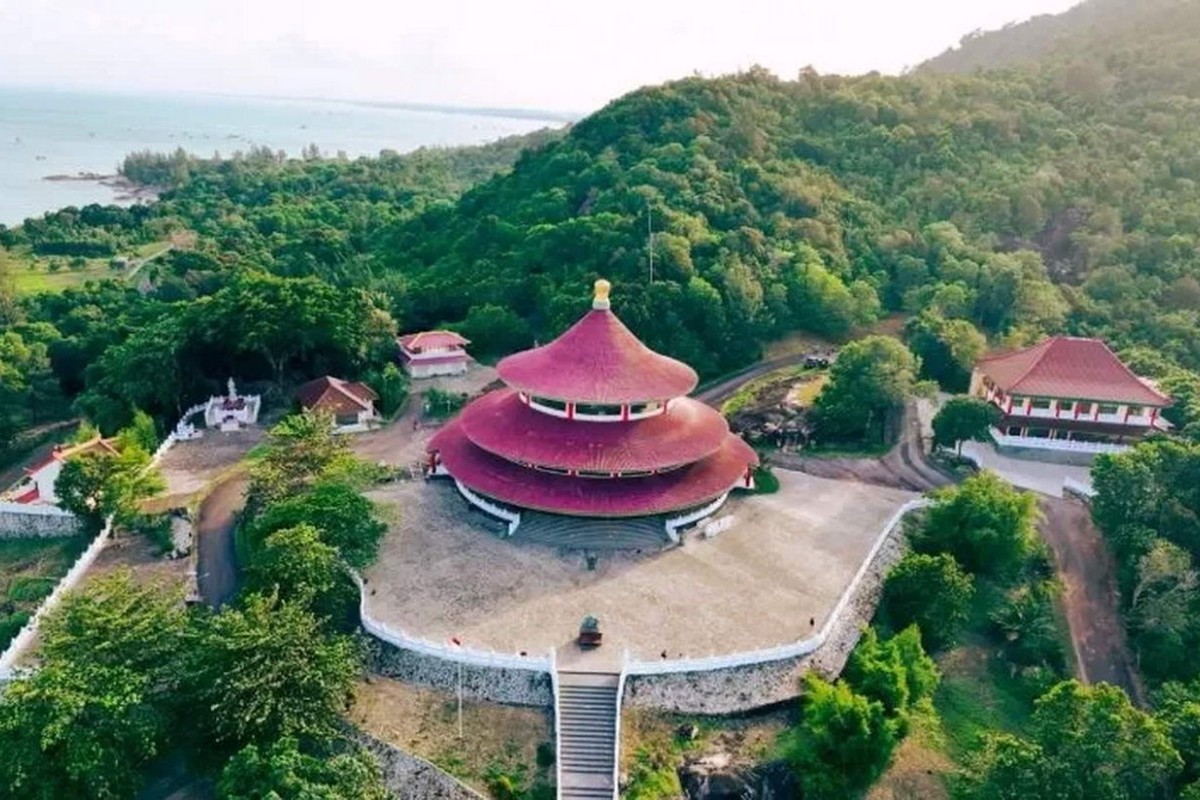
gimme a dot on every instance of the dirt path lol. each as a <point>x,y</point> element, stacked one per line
<point>718,393</point>
<point>1090,596</point>
<point>902,467</point>
<point>217,562</point>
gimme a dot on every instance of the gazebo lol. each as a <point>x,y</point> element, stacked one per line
<point>593,425</point>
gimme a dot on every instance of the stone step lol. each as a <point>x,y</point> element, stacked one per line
<point>587,716</point>
<point>577,533</point>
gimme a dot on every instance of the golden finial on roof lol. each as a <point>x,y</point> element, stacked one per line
<point>600,299</point>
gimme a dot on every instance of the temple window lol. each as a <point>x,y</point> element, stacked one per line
<point>553,470</point>
<point>589,473</point>
<point>1108,408</point>
<point>644,408</point>
<point>591,410</point>
<point>1041,402</point>
<point>546,402</point>
<point>1136,411</point>
<point>1014,430</point>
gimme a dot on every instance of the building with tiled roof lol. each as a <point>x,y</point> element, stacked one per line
<point>431,353</point>
<point>1068,395</point>
<point>350,403</point>
<point>597,425</point>
<point>37,485</point>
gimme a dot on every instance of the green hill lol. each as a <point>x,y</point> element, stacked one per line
<point>1056,195</point>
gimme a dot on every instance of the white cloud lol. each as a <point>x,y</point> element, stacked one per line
<point>533,53</point>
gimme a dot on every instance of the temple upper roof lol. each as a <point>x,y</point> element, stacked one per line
<point>598,361</point>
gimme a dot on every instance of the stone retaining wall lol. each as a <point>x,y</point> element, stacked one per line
<point>739,689</point>
<point>411,778</point>
<point>519,687</point>
<point>31,522</point>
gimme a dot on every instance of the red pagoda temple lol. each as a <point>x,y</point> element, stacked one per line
<point>594,425</point>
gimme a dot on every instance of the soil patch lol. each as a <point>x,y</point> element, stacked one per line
<point>498,739</point>
<point>1090,596</point>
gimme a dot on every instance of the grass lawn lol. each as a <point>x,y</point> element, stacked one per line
<point>847,450</point>
<point>33,274</point>
<point>502,746</point>
<point>29,570</point>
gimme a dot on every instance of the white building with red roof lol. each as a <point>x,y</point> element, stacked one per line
<point>36,487</point>
<point>431,353</point>
<point>350,403</point>
<point>1068,395</point>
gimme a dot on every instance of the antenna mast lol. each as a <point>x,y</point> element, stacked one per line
<point>650,240</point>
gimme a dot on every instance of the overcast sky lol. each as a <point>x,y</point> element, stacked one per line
<point>553,54</point>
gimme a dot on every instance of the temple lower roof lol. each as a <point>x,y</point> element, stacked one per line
<point>687,487</point>
<point>501,424</point>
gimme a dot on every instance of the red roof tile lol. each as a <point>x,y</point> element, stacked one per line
<point>432,339</point>
<point>63,452</point>
<point>335,395</point>
<point>501,424</point>
<point>686,487</point>
<point>1071,368</point>
<point>598,360</point>
<point>31,496</point>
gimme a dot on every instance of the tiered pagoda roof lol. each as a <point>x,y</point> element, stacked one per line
<point>642,447</point>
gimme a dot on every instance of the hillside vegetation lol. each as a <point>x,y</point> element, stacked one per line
<point>1029,201</point>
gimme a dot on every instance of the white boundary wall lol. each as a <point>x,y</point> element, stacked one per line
<point>26,635</point>
<point>453,653</point>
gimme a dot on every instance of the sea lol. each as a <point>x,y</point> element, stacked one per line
<point>47,133</point>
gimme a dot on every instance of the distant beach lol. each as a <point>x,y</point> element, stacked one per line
<point>125,191</point>
<point>61,148</point>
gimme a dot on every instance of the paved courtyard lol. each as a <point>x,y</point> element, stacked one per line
<point>771,578</point>
<point>1043,477</point>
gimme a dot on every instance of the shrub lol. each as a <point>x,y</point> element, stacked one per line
<point>29,588</point>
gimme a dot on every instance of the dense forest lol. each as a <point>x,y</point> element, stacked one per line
<point>1057,197</point>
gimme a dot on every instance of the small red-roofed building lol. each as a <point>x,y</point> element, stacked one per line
<point>431,353</point>
<point>350,403</point>
<point>1068,396</point>
<point>36,487</point>
<point>593,426</point>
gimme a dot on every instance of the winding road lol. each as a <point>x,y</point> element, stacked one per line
<point>216,568</point>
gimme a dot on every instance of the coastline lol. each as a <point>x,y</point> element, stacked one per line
<point>126,191</point>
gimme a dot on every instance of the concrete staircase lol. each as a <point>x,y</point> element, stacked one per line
<point>647,534</point>
<point>587,714</point>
